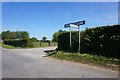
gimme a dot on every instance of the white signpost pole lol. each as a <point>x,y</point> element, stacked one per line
<point>70,37</point>
<point>72,26</point>
<point>75,25</point>
<point>79,37</point>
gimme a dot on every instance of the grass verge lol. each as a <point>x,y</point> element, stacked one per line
<point>13,47</point>
<point>95,60</point>
<point>6,46</point>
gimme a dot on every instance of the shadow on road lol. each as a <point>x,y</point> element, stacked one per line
<point>47,51</point>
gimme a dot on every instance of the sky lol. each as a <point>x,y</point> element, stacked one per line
<point>44,18</point>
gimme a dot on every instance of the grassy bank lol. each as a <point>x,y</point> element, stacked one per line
<point>95,60</point>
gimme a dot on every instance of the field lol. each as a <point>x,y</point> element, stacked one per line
<point>44,44</point>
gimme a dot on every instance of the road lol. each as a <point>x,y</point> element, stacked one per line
<point>32,63</point>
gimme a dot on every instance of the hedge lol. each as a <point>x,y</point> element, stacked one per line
<point>104,40</point>
<point>19,43</point>
<point>64,43</point>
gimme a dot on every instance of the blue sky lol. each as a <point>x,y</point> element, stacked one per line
<point>44,18</point>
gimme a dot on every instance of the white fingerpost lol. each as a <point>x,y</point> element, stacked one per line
<point>79,37</point>
<point>70,38</point>
<point>75,25</point>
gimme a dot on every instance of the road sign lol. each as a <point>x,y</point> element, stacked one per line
<point>74,26</point>
<point>79,23</point>
<point>67,25</point>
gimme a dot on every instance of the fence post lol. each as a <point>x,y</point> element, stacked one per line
<point>49,44</point>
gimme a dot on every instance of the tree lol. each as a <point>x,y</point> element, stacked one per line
<point>56,34</point>
<point>8,35</point>
<point>5,35</point>
<point>34,39</point>
<point>44,39</point>
<point>18,35</point>
<point>24,34</point>
<point>12,35</point>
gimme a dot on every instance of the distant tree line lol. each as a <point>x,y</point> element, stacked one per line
<point>16,38</point>
<point>19,35</point>
<point>34,39</point>
<point>20,38</point>
<point>12,35</point>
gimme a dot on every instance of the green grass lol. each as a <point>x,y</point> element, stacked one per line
<point>35,45</point>
<point>86,59</point>
<point>43,44</point>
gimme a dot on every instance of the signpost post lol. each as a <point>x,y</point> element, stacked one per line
<point>70,38</point>
<point>75,25</point>
<point>79,37</point>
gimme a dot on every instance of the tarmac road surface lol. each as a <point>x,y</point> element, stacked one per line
<point>32,63</point>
